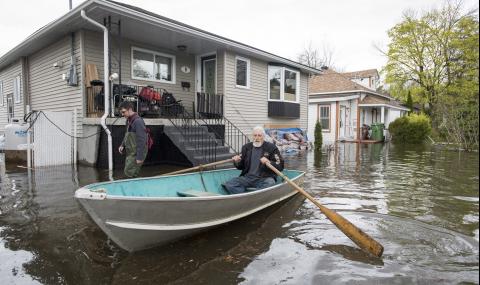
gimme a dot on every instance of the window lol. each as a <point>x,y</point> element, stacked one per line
<point>1,94</point>
<point>153,66</point>
<point>242,71</point>
<point>324,116</point>
<point>283,84</point>
<point>16,89</point>
<point>10,107</point>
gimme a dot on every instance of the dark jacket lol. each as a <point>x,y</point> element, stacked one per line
<point>270,151</point>
<point>135,124</point>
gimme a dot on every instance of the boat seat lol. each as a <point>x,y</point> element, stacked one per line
<point>196,193</point>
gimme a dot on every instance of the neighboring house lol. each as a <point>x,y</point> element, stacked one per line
<point>249,86</point>
<point>369,78</point>
<point>344,106</point>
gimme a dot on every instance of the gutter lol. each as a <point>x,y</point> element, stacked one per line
<point>106,86</point>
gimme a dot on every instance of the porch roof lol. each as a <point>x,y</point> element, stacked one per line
<point>372,101</point>
<point>156,30</point>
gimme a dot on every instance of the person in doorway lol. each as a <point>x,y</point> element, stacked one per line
<point>255,174</point>
<point>134,143</point>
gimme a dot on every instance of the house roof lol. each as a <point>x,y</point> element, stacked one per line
<point>361,74</point>
<point>72,21</point>
<point>375,100</point>
<point>331,81</point>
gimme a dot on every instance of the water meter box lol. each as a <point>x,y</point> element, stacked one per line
<point>15,135</point>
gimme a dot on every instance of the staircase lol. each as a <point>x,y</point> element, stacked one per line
<point>198,144</point>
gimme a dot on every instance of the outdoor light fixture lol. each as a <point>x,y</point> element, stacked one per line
<point>182,47</point>
<point>113,76</point>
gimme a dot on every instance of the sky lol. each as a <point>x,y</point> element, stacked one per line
<point>349,28</point>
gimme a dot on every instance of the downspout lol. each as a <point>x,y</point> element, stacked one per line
<point>106,87</point>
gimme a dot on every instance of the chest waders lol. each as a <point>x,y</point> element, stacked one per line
<point>132,169</point>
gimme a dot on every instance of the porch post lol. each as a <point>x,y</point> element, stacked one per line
<point>358,120</point>
<point>382,117</point>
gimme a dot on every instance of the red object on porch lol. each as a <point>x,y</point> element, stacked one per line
<point>149,94</point>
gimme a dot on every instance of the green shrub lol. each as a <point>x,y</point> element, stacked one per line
<point>318,136</point>
<point>410,129</point>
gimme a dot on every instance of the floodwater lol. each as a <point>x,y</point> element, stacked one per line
<point>420,202</point>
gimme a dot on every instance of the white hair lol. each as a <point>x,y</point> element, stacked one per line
<point>259,129</point>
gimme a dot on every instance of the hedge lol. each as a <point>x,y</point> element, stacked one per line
<point>410,129</point>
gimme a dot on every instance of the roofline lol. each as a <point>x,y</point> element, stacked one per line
<point>384,105</point>
<point>173,24</point>
<point>333,99</point>
<point>351,91</point>
<point>45,29</point>
<point>208,35</point>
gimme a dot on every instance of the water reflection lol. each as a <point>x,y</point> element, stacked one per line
<point>421,203</point>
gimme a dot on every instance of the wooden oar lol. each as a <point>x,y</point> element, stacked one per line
<point>201,166</point>
<point>363,240</point>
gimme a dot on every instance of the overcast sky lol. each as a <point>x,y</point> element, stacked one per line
<point>284,27</point>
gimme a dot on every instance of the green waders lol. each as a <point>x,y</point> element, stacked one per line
<point>132,169</point>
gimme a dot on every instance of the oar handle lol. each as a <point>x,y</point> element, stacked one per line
<point>363,240</point>
<point>201,166</point>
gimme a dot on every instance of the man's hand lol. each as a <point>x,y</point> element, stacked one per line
<point>120,149</point>
<point>236,158</point>
<point>139,161</point>
<point>264,160</point>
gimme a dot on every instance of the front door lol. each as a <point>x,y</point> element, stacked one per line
<point>209,66</point>
<point>342,122</point>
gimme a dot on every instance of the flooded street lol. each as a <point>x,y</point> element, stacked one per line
<point>420,202</point>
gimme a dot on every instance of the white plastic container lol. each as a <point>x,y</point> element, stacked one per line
<point>15,135</point>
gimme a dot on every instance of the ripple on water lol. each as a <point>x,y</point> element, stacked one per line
<point>315,252</point>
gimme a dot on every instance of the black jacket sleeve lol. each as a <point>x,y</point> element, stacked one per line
<point>276,159</point>
<point>241,164</point>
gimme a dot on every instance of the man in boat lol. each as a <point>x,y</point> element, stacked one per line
<point>255,174</point>
<point>135,141</point>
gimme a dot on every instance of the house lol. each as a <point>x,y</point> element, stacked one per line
<point>225,85</point>
<point>343,106</point>
<point>369,78</point>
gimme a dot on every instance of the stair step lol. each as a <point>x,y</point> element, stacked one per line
<point>220,149</point>
<point>218,157</point>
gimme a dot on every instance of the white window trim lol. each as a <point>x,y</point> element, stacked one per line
<point>248,72</point>
<point>320,106</point>
<point>282,85</point>
<point>174,70</point>
<point>2,97</point>
<point>17,96</point>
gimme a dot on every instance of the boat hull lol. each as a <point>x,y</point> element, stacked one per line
<point>137,223</point>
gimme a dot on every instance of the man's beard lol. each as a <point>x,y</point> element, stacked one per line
<point>257,144</point>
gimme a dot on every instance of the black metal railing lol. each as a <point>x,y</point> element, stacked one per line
<point>196,137</point>
<point>210,105</point>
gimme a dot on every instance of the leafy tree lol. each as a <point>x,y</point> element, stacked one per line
<point>434,57</point>
<point>410,129</point>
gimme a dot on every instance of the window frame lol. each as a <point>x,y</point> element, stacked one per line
<point>247,81</point>
<point>319,106</point>
<point>154,53</point>
<point>17,83</point>
<point>282,84</point>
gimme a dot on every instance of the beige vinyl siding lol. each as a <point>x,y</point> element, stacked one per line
<point>220,71</point>
<point>7,76</point>
<point>247,108</point>
<point>48,91</point>
<point>94,54</point>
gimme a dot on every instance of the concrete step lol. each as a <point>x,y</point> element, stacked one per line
<point>220,149</point>
<point>218,157</point>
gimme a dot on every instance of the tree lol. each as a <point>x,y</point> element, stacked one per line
<point>427,51</point>
<point>313,57</point>
<point>434,57</point>
<point>409,103</point>
<point>318,136</point>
